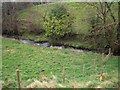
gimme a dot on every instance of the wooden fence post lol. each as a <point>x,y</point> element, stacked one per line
<point>63,75</point>
<point>95,68</point>
<point>83,70</point>
<point>18,77</point>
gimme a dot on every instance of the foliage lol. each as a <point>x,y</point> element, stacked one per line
<point>58,23</point>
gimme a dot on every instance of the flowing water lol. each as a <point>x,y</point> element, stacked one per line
<point>47,44</point>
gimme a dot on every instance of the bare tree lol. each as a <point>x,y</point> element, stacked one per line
<point>109,9</point>
<point>103,8</point>
<point>9,20</point>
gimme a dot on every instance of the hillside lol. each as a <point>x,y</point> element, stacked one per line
<point>35,62</point>
<point>31,21</point>
<point>82,13</point>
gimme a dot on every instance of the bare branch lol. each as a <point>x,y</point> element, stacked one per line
<point>95,6</point>
<point>99,16</point>
<point>101,5</point>
<point>109,10</point>
<point>108,6</point>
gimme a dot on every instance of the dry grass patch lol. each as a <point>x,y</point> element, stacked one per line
<point>0,85</point>
<point>10,50</point>
<point>44,83</point>
<point>108,83</point>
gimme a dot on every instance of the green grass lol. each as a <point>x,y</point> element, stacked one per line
<point>31,60</point>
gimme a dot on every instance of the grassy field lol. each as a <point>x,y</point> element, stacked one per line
<point>35,61</point>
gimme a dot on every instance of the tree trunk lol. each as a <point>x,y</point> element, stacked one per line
<point>105,33</point>
<point>117,50</point>
<point>118,29</point>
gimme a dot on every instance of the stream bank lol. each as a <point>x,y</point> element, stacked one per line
<point>58,46</point>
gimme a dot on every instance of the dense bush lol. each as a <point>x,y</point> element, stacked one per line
<point>58,23</point>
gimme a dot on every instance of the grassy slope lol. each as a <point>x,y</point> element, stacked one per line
<point>33,59</point>
<point>34,14</point>
<point>78,10</point>
<point>82,13</point>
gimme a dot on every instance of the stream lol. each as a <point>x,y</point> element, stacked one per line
<point>47,44</point>
<point>61,46</point>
